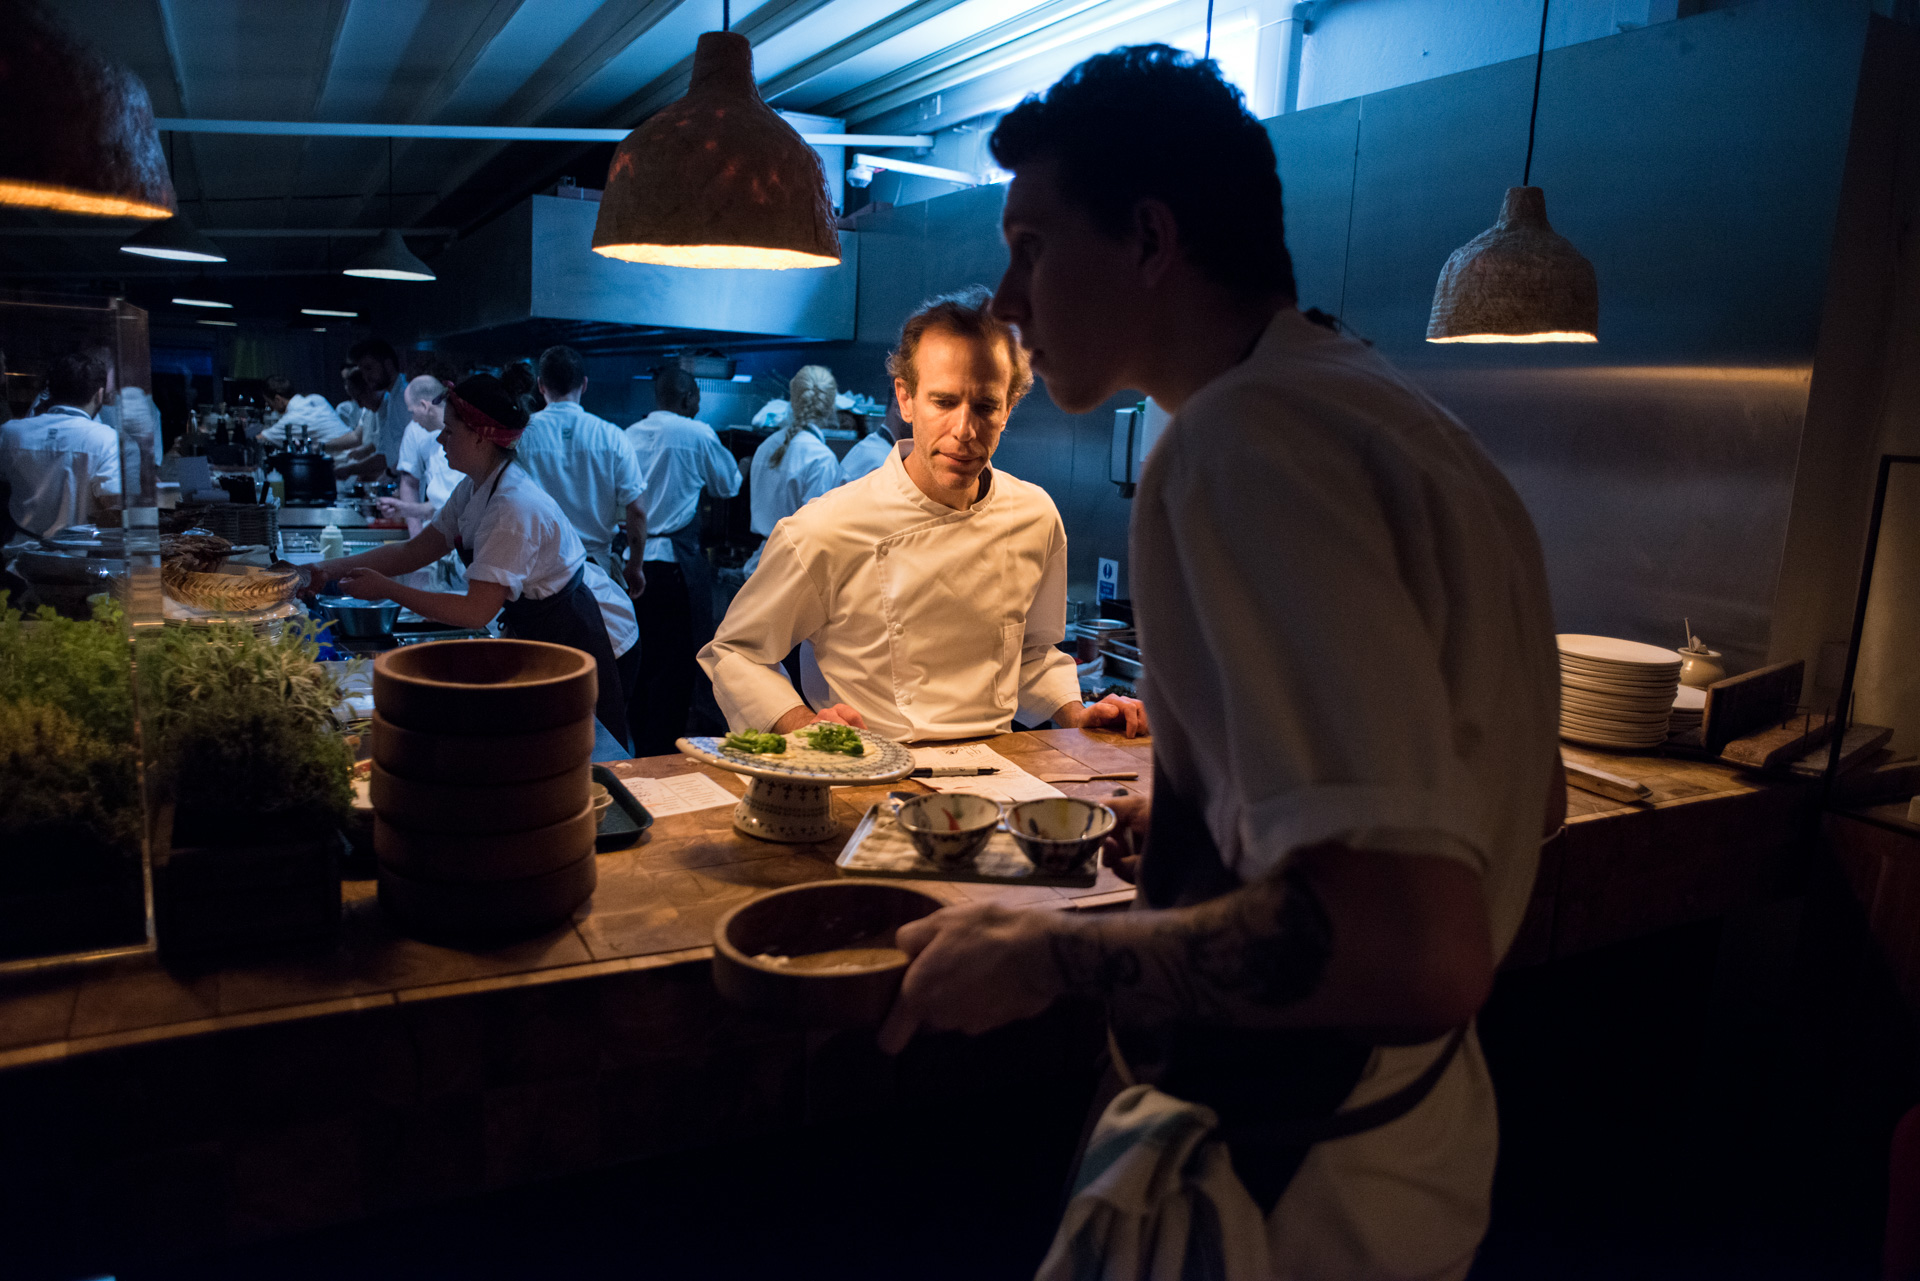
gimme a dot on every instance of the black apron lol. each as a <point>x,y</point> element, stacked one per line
<point>1277,1092</point>
<point>698,576</point>
<point>571,616</point>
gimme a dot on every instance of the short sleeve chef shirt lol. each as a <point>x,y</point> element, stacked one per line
<point>520,540</point>
<point>678,458</point>
<point>424,458</point>
<point>588,467</point>
<point>1389,682</point>
<point>931,622</point>
<point>60,463</point>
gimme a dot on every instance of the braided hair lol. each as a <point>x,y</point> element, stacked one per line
<point>810,394</point>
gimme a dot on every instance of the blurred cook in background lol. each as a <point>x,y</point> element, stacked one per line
<point>379,366</point>
<point>794,466</point>
<point>426,478</point>
<point>63,463</point>
<point>293,418</point>
<point>679,457</point>
<point>588,467</point>
<point>872,449</point>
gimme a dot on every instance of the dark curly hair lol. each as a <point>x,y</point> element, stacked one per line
<point>1152,122</point>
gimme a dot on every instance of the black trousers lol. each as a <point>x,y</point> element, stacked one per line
<point>661,699</point>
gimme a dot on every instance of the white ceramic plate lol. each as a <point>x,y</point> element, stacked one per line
<point>1589,740</point>
<point>1608,649</point>
<point>1624,675</point>
<point>1689,699</point>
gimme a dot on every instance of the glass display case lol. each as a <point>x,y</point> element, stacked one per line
<point>74,846</point>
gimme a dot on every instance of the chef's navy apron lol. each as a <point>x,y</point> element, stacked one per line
<point>1277,1092</point>
<point>571,616</point>
<point>698,576</point>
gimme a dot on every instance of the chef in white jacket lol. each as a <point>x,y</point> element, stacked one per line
<point>934,589</point>
<point>794,466</point>
<point>63,463</point>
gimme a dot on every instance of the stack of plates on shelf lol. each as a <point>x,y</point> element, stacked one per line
<point>1616,693</point>
<point>1689,710</point>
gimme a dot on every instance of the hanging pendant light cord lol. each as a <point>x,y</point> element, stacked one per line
<point>726,15</point>
<point>390,178</point>
<point>1539,58</point>
<point>1207,48</point>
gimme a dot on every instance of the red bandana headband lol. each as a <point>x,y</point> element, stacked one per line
<point>482,424</point>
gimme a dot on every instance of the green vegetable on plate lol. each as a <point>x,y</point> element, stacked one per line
<point>834,738</point>
<point>755,743</point>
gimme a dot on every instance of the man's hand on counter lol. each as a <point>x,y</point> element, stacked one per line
<point>838,714</point>
<point>1115,712</point>
<point>974,968</point>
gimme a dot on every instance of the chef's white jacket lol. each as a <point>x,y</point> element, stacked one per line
<point>424,458</point>
<point>867,453</point>
<point>520,539</point>
<point>588,467</point>
<point>1389,683</point>
<point>806,471</point>
<point>932,623</point>
<point>678,457</point>
<point>61,463</point>
<point>306,414</point>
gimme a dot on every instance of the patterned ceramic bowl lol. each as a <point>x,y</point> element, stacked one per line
<point>949,827</point>
<point>1060,833</point>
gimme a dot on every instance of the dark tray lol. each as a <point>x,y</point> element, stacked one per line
<point>625,821</point>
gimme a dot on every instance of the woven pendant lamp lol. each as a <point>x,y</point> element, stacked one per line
<point>1519,280</point>
<point>718,179</point>
<point>76,131</point>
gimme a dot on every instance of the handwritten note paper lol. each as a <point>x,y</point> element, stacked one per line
<point>1010,785</point>
<point>681,794</point>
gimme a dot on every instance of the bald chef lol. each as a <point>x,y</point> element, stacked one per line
<point>933,589</point>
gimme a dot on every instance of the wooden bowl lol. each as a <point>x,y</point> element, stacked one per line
<point>475,911</point>
<point>484,686</point>
<point>455,809</point>
<point>806,921</point>
<point>498,856</point>
<point>482,758</point>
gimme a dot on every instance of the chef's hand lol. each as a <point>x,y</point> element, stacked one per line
<point>636,579</point>
<point>390,506</point>
<point>365,584</point>
<point>974,968</point>
<point>1121,850</point>
<point>1128,715</point>
<point>838,714</point>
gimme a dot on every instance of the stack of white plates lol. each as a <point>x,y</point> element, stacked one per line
<point>1616,693</point>
<point>1689,709</point>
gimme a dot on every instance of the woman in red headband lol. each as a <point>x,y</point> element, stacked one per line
<point>525,564</point>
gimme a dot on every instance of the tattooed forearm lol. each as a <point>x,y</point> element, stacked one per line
<point>1263,947</point>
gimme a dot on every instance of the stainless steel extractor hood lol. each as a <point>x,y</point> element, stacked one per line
<point>535,263</point>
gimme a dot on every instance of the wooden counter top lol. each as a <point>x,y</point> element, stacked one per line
<point>656,905</point>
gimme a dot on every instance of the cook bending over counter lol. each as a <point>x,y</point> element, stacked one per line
<point>524,562</point>
<point>933,589</point>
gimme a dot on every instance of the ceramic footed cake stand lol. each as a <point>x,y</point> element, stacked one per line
<point>787,797</point>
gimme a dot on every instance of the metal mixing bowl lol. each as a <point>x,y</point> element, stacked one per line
<point>359,619</point>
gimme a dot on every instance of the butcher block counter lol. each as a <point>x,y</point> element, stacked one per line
<point>155,1113</point>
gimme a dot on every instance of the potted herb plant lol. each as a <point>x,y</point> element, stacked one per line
<point>256,782</point>
<point>70,813</point>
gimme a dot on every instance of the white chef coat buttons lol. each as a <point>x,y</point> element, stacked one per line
<point>897,629</point>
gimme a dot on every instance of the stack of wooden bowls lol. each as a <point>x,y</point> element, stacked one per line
<point>482,759</point>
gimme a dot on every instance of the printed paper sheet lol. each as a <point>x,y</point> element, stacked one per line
<point>1010,785</point>
<point>680,794</point>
